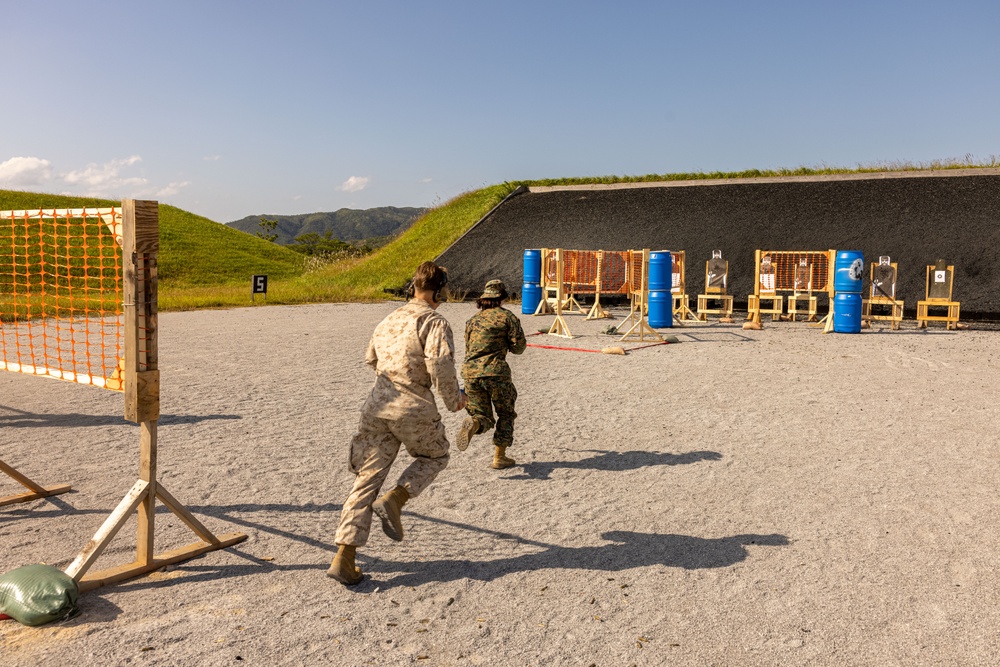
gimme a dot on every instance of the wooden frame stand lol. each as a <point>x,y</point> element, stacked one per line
<point>640,303</point>
<point>716,286</point>
<point>942,299</point>
<point>950,317</point>
<point>679,301</point>
<point>883,297</point>
<point>140,245</point>
<point>793,306</point>
<point>597,311</point>
<point>725,306</point>
<point>755,308</point>
<point>35,491</point>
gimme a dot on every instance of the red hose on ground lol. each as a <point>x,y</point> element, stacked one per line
<point>556,347</point>
<point>583,349</point>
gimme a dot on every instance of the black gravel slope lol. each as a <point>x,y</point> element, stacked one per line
<point>915,220</point>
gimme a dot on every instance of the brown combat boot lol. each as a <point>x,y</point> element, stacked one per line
<point>388,508</point>
<point>470,426</point>
<point>501,460</point>
<point>342,568</point>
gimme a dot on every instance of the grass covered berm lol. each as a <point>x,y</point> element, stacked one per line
<point>914,217</point>
<point>204,264</point>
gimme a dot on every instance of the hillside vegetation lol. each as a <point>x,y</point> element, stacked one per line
<point>373,225</point>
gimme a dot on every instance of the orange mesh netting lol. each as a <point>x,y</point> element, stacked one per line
<point>61,294</point>
<point>795,270</point>
<point>635,269</point>
<point>590,271</point>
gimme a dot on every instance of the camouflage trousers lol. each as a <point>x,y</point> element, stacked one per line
<point>487,393</point>
<point>373,450</point>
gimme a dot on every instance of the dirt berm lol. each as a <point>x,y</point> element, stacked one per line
<point>914,217</point>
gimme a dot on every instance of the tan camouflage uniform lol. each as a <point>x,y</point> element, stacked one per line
<point>489,335</point>
<point>412,350</point>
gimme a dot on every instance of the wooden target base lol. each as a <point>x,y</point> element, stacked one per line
<point>142,499</point>
<point>35,491</point>
<point>145,561</point>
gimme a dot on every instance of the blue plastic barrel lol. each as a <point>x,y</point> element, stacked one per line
<point>661,313</point>
<point>847,313</point>
<point>660,271</point>
<point>533,266</point>
<point>849,269</point>
<point>531,294</point>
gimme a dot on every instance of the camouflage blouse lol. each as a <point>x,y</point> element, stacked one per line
<point>412,350</point>
<point>489,335</point>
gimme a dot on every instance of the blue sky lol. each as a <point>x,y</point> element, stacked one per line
<point>235,108</point>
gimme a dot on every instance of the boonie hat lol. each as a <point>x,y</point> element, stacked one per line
<point>494,289</point>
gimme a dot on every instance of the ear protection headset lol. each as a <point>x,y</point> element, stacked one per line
<point>444,281</point>
<point>411,286</point>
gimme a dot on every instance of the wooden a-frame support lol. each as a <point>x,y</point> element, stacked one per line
<point>35,490</point>
<point>597,311</point>
<point>640,302</point>
<point>140,244</point>
<point>559,327</point>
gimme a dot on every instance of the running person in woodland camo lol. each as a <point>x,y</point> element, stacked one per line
<point>489,335</point>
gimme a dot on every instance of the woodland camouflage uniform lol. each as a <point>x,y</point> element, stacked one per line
<point>489,335</point>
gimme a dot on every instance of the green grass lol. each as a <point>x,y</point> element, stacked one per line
<point>203,264</point>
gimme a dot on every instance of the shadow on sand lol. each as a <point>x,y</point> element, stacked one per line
<point>614,461</point>
<point>626,550</point>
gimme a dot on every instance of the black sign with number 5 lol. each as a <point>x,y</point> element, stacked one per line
<point>259,285</point>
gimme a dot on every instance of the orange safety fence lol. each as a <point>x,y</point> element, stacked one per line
<point>61,294</point>
<point>581,272</point>
<point>795,270</point>
<point>636,271</point>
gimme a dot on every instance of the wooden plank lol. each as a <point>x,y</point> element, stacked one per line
<point>20,479</point>
<point>140,244</point>
<point>147,473</point>
<point>184,515</point>
<point>35,495</point>
<point>107,531</point>
<point>130,571</point>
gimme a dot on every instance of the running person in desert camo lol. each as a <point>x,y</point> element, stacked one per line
<point>489,335</point>
<point>411,351</point>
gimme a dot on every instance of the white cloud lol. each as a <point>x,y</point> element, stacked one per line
<point>426,180</point>
<point>106,177</point>
<point>108,180</point>
<point>212,158</point>
<point>354,184</point>
<point>24,172</point>
<point>171,189</point>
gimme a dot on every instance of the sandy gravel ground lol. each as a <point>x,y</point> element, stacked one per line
<point>774,497</point>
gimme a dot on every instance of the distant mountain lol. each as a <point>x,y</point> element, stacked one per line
<point>349,225</point>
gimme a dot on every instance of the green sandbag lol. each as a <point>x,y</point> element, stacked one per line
<point>37,594</point>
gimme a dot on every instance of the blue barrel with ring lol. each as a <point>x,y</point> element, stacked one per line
<point>661,313</point>
<point>660,271</point>
<point>849,270</point>
<point>847,313</point>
